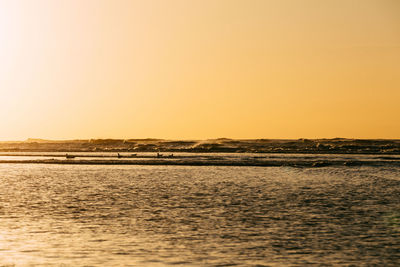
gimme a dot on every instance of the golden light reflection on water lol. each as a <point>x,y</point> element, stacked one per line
<point>197,216</point>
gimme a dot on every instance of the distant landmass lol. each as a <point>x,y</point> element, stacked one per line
<point>323,146</point>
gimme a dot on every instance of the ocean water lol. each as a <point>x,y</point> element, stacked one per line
<point>133,215</point>
<point>202,159</point>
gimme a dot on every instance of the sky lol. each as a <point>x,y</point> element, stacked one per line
<point>198,69</point>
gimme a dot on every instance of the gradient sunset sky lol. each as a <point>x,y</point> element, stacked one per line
<point>196,69</point>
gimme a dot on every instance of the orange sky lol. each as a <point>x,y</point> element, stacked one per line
<point>181,69</point>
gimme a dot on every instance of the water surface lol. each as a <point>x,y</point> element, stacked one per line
<point>100,215</point>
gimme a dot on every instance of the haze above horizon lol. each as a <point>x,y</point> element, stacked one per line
<point>199,69</point>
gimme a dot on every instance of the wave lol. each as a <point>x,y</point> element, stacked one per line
<point>202,159</point>
<point>327,146</point>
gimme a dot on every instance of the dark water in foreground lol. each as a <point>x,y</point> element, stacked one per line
<point>81,215</point>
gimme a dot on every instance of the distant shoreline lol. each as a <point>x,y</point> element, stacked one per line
<point>221,145</point>
<point>203,159</point>
<point>299,164</point>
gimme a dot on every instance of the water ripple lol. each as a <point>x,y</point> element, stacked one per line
<point>198,216</point>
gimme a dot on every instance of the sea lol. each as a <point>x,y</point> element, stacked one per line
<point>210,215</point>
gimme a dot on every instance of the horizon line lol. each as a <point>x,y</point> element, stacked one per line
<point>190,139</point>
